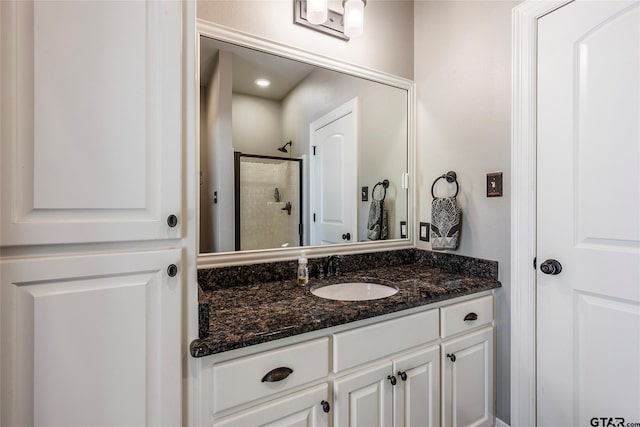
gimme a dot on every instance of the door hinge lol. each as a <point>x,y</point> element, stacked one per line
<point>300,228</point>
<point>314,217</point>
<point>535,263</point>
<point>314,149</point>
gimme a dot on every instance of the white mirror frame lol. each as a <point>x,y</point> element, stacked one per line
<point>210,260</point>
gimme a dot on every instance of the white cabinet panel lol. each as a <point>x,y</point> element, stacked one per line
<point>91,340</point>
<point>302,409</point>
<point>467,380</point>
<point>364,398</point>
<point>417,401</point>
<point>91,121</point>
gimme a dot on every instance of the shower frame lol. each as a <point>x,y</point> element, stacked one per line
<point>236,172</point>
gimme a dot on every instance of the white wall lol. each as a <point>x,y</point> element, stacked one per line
<point>386,45</point>
<point>463,77</point>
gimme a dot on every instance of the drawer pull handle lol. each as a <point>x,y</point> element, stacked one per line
<point>403,375</point>
<point>325,406</point>
<point>470,316</point>
<point>392,379</point>
<point>277,374</point>
<point>452,357</point>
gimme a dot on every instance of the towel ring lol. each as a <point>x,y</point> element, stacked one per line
<point>450,177</point>
<point>385,185</point>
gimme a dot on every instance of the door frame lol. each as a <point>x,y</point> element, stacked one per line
<point>524,34</point>
<point>349,107</point>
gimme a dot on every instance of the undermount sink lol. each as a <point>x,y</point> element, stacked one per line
<point>356,291</point>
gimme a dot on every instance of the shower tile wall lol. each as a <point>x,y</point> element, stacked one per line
<point>263,223</point>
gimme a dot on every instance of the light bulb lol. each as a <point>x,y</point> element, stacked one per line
<point>317,11</point>
<point>353,18</point>
<point>263,82</point>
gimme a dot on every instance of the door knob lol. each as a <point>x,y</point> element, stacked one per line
<point>346,236</point>
<point>551,266</point>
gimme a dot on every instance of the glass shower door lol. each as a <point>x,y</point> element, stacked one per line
<point>268,202</point>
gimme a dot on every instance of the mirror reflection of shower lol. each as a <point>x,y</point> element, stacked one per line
<point>268,201</point>
<point>283,149</point>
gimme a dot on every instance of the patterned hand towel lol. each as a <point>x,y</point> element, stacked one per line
<point>378,222</point>
<point>445,223</point>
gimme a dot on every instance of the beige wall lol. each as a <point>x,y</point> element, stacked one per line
<point>257,125</point>
<point>387,43</point>
<point>463,77</point>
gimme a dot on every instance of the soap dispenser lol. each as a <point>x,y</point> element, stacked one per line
<point>303,269</point>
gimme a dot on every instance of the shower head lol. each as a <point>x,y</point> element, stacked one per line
<point>284,147</point>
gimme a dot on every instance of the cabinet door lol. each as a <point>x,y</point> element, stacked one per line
<point>90,97</point>
<point>302,409</point>
<point>417,400</point>
<point>91,340</point>
<point>467,380</point>
<point>364,398</point>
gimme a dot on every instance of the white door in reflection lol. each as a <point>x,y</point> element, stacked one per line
<point>333,177</point>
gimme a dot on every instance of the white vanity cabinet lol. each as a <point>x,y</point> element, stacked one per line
<point>468,363</point>
<point>403,391</point>
<point>389,373</point>
<point>394,387</point>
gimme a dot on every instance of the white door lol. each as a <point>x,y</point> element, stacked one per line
<point>467,380</point>
<point>364,398</point>
<point>333,177</point>
<point>91,111</point>
<point>588,315</point>
<point>417,402</point>
<point>91,340</point>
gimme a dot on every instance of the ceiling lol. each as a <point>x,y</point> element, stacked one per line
<point>248,65</point>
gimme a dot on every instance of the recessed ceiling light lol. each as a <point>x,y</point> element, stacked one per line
<point>263,82</point>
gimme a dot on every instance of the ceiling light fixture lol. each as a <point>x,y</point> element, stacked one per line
<point>316,15</point>
<point>263,82</point>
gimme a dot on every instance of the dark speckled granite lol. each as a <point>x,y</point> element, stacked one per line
<point>259,303</point>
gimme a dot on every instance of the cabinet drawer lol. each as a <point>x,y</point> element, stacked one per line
<point>240,380</point>
<point>452,317</point>
<point>358,346</point>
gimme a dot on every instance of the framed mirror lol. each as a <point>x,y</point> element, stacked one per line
<point>298,152</point>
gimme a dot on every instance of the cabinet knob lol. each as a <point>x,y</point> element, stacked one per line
<point>172,221</point>
<point>452,357</point>
<point>346,236</point>
<point>403,375</point>
<point>172,270</point>
<point>325,406</point>
<point>470,317</point>
<point>392,379</point>
<point>277,374</point>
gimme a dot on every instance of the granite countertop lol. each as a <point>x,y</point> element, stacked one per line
<point>241,316</point>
